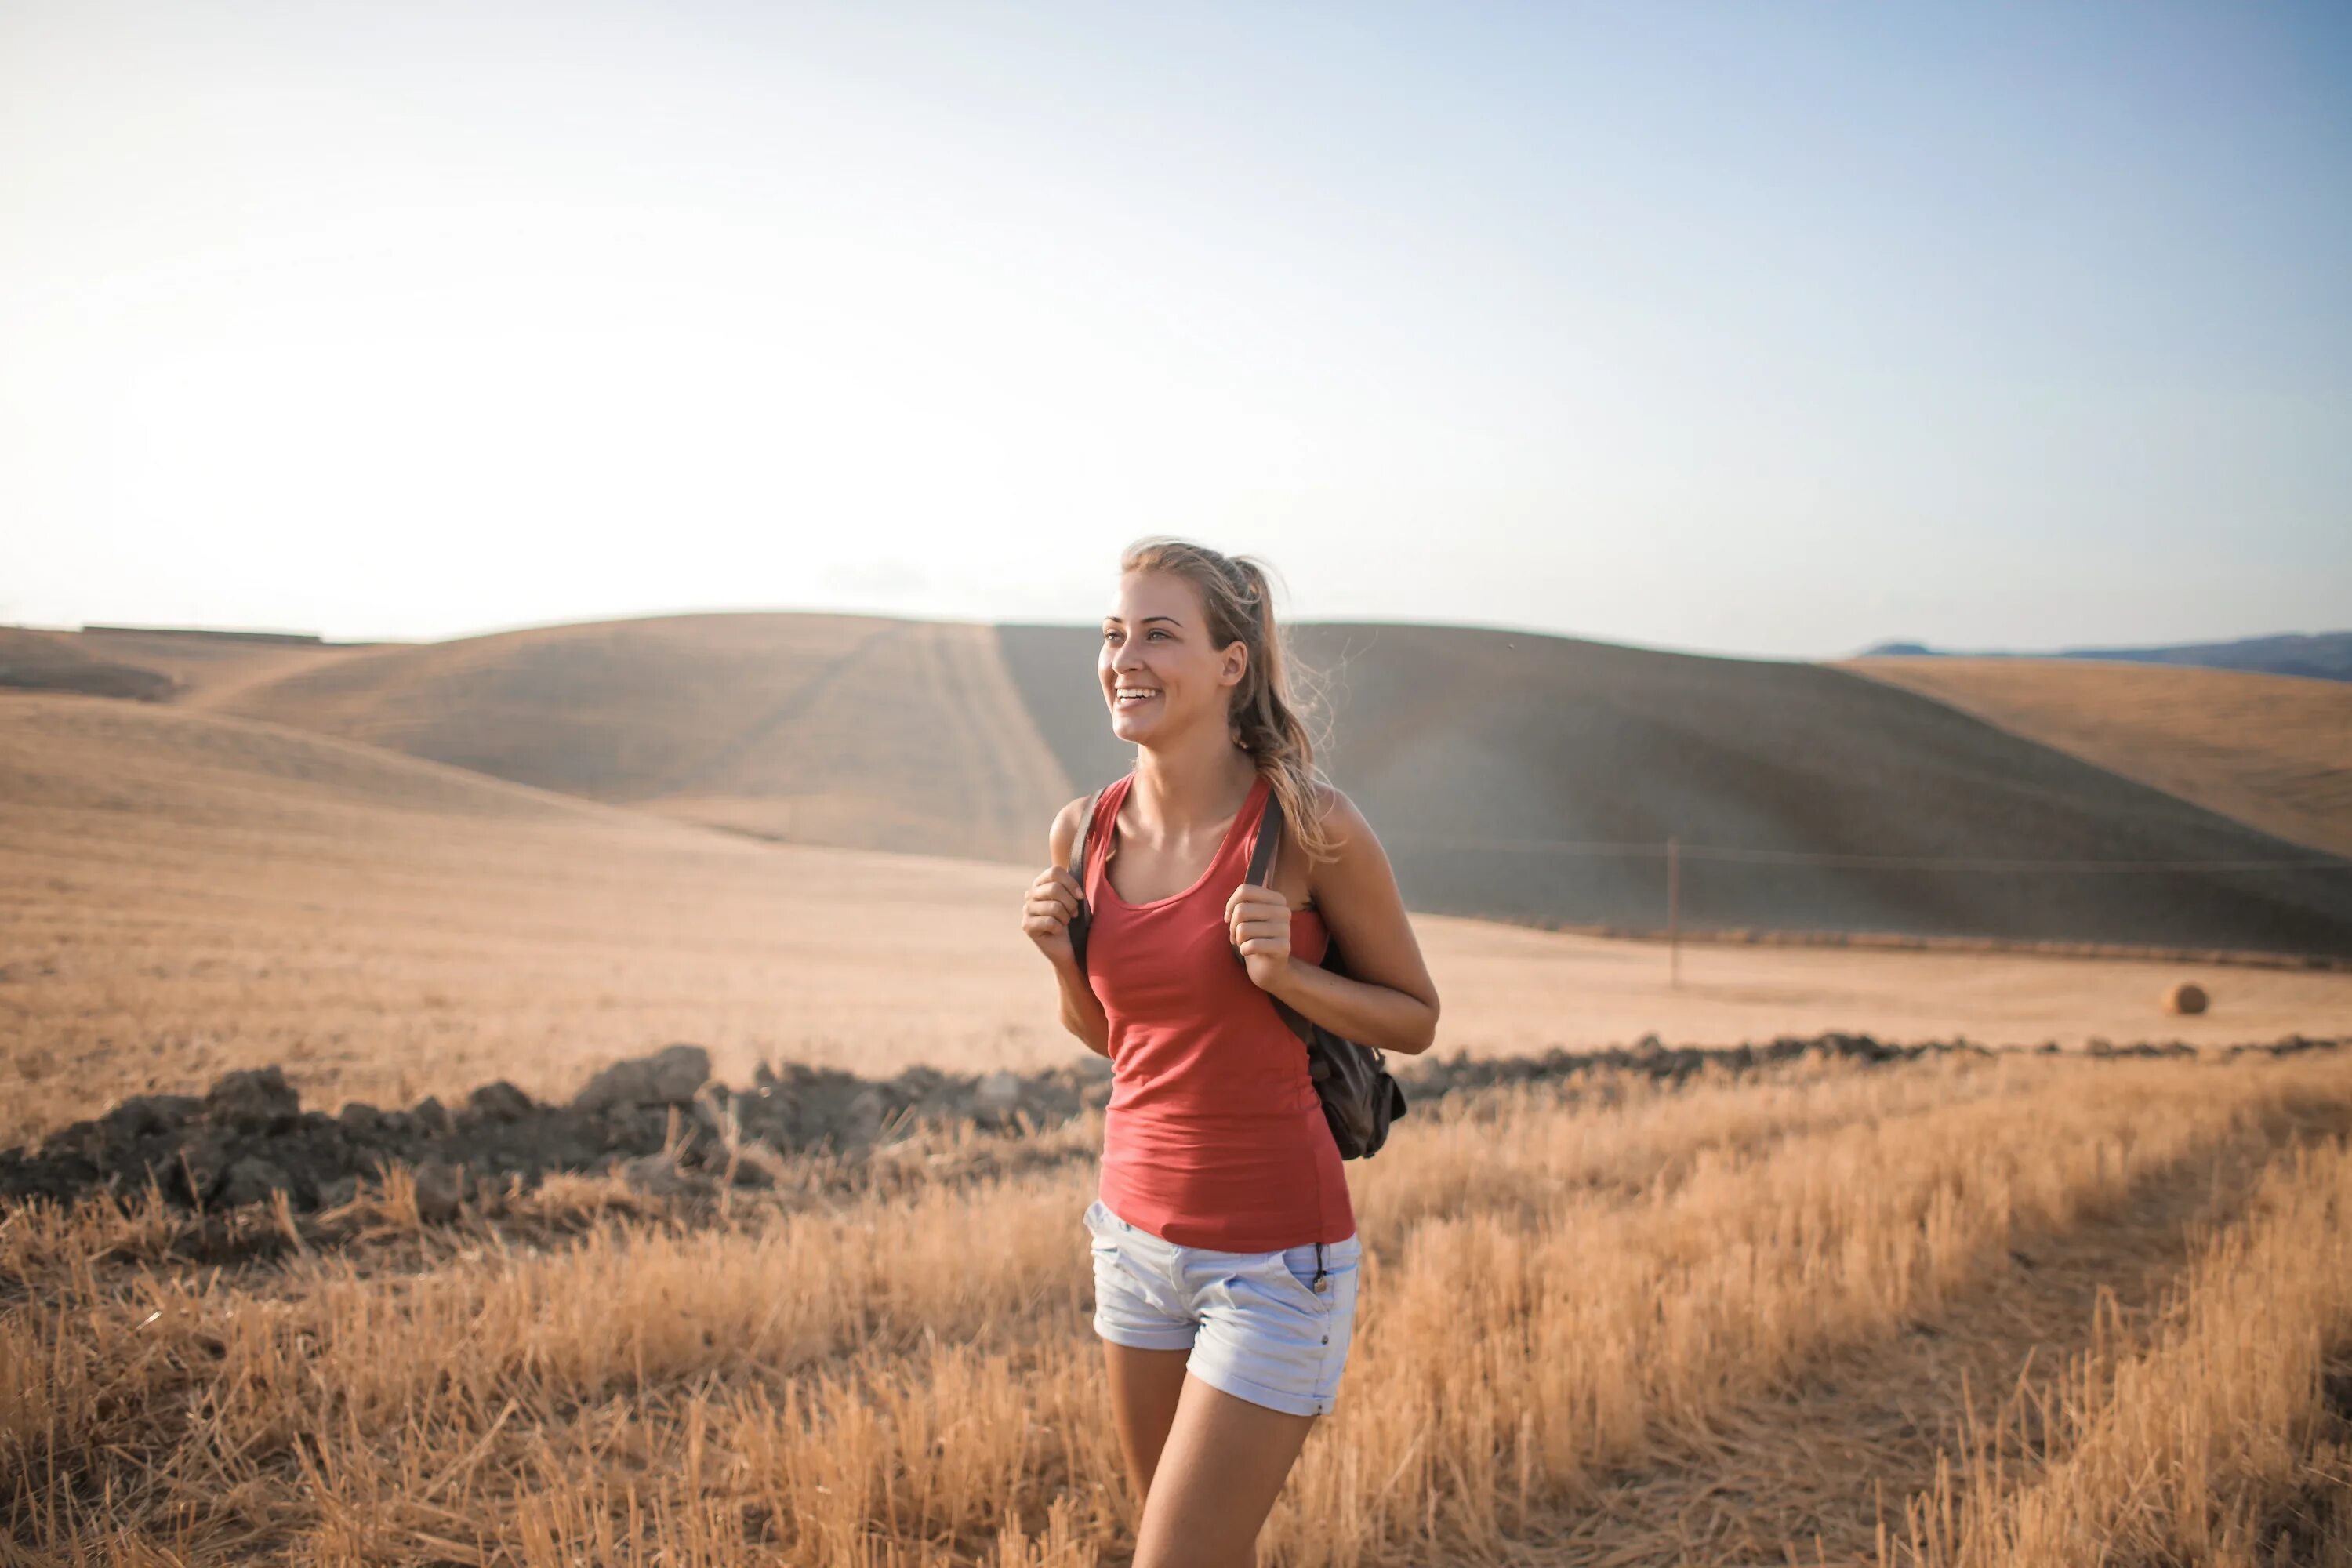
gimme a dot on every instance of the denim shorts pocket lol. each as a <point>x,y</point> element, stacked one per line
<point>1298,1265</point>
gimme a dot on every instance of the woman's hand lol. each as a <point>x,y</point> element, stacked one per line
<point>1046,915</point>
<point>1259,919</point>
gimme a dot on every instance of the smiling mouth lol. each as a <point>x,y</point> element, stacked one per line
<point>1134,697</point>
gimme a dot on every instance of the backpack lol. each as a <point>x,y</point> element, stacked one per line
<point>1359,1098</point>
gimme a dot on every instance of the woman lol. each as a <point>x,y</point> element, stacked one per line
<point>1224,1244</point>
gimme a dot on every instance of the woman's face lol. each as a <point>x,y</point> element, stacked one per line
<point>1155,645</point>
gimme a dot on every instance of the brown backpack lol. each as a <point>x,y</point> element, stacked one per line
<point>1359,1098</point>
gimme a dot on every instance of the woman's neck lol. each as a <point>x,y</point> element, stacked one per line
<point>1194,790</point>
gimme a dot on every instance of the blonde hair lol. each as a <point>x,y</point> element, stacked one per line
<point>1268,720</point>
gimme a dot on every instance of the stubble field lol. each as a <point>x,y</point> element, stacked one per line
<point>1971,1308</point>
<point>1967,1310</point>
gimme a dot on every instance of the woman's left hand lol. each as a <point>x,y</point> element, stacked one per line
<point>1259,921</point>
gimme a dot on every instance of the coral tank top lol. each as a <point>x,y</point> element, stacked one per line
<point>1214,1136</point>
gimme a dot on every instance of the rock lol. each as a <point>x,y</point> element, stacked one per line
<point>1095,1067</point>
<point>340,1190</point>
<point>251,1181</point>
<point>363,1123</point>
<point>434,1117</point>
<point>201,1162</point>
<point>439,1191</point>
<point>997,1093</point>
<point>655,1176</point>
<point>499,1102</point>
<point>150,1115</point>
<point>758,1164</point>
<point>668,1077</point>
<point>2186,999</point>
<point>861,1119</point>
<point>256,1099</point>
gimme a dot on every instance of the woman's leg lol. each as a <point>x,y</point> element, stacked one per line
<point>1223,1465</point>
<point>1144,1386</point>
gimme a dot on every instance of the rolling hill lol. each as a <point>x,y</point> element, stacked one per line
<point>2272,751</point>
<point>184,893</point>
<point>1478,754</point>
<point>1512,776</point>
<point>862,732</point>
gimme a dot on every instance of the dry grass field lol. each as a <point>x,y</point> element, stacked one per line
<point>2274,750</point>
<point>2021,1310</point>
<point>1968,1309</point>
<point>181,894</point>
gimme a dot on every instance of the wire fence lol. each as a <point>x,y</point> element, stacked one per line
<point>1675,849</point>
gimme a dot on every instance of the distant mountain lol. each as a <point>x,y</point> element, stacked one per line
<point>2325,656</point>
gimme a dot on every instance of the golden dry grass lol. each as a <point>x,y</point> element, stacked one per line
<point>2227,1439</point>
<point>2272,750</point>
<point>1556,1294</point>
<point>1725,1323</point>
<point>181,894</point>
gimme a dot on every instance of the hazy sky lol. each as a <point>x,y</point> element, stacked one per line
<point>1762,327</point>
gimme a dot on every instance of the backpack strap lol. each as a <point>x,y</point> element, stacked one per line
<point>1269,833</point>
<point>1085,831</point>
<point>1077,925</point>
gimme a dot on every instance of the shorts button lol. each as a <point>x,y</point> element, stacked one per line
<point>1327,1339</point>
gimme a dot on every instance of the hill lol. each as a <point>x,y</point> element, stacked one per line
<point>2327,657</point>
<point>36,660</point>
<point>2272,751</point>
<point>863,732</point>
<point>188,893</point>
<point>1499,770</point>
<point>1514,776</point>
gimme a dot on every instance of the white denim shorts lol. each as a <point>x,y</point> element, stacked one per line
<point>1259,1325</point>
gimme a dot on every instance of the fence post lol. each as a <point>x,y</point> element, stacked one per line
<point>1673,915</point>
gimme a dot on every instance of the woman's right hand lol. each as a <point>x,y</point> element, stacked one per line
<point>1052,899</point>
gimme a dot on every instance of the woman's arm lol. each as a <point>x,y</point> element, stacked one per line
<point>1082,1012</point>
<point>1386,999</point>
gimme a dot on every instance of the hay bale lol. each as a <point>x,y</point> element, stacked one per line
<point>2184,999</point>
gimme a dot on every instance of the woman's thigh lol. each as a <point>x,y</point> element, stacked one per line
<point>1224,1465</point>
<point>1144,1389</point>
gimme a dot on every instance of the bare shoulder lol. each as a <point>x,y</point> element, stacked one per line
<point>1342,822</point>
<point>1362,907</point>
<point>1064,835</point>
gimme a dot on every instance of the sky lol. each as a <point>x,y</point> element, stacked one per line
<point>1765,328</point>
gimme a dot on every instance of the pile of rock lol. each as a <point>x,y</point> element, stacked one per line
<point>1651,1057</point>
<point>663,1124</point>
<point>655,1117</point>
